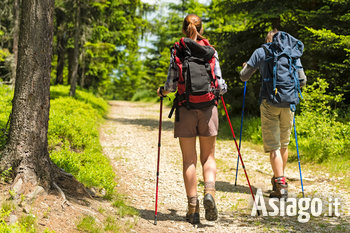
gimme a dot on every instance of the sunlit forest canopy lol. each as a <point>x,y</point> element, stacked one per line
<point>122,46</point>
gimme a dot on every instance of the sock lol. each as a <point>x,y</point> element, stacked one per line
<point>192,200</point>
<point>280,180</point>
<point>209,185</point>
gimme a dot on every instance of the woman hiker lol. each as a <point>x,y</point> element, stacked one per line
<point>195,73</point>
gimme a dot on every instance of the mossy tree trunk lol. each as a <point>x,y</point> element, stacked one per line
<point>26,151</point>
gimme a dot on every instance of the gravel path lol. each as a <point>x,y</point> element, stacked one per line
<point>129,137</point>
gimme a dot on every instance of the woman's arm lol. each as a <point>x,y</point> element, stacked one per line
<point>222,86</point>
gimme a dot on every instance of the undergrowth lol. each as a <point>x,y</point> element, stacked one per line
<point>322,135</point>
<point>73,142</point>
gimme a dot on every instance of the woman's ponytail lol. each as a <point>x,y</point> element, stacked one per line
<point>192,27</point>
<point>191,31</point>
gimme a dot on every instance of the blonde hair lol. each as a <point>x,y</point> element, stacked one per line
<point>270,35</point>
<point>192,27</point>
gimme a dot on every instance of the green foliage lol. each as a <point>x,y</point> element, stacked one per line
<point>322,135</point>
<point>28,222</point>
<point>238,27</point>
<point>145,95</point>
<point>326,138</point>
<point>251,129</point>
<point>4,53</point>
<point>25,224</point>
<point>109,33</point>
<point>111,226</point>
<point>6,95</point>
<point>73,135</point>
<point>74,140</point>
<point>122,208</point>
<point>6,208</point>
<point>88,224</point>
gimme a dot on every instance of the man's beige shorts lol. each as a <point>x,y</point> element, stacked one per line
<point>276,126</point>
<point>197,122</point>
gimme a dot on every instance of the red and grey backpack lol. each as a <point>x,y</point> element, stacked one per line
<point>197,83</point>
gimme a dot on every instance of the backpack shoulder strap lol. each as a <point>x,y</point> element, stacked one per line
<point>268,52</point>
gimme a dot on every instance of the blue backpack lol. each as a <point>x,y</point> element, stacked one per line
<point>281,83</point>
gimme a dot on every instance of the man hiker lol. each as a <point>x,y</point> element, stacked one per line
<point>278,61</point>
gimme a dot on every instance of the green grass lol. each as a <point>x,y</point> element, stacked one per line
<point>322,148</point>
<point>6,95</point>
<point>74,140</point>
<point>88,224</point>
<point>151,96</point>
<point>111,222</point>
<point>73,145</point>
<point>122,208</point>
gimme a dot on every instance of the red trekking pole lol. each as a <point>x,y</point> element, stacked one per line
<point>239,152</point>
<point>159,137</point>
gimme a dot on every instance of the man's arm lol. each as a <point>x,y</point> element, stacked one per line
<point>302,77</point>
<point>246,72</point>
<point>252,64</point>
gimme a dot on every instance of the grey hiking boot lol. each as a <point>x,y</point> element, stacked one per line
<point>192,215</point>
<point>281,189</point>
<point>211,213</point>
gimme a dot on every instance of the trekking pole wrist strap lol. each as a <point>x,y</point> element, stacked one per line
<point>161,89</point>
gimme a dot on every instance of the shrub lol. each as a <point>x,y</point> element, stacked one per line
<point>320,134</point>
<point>74,140</point>
<point>6,95</point>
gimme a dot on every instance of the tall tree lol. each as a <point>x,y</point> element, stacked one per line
<point>61,38</point>
<point>16,19</point>
<point>238,27</point>
<point>26,151</point>
<point>74,78</point>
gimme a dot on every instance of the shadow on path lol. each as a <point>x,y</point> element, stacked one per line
<point>228,187</point>
<point>172,216</point>
<point>150,124</point>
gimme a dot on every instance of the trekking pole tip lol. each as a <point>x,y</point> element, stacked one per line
<point>155,220</point>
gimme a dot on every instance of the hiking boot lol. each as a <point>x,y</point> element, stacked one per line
<point>192,215</point>
<point>281,189</point>
<point>273,183</point>
<point>211,213</point>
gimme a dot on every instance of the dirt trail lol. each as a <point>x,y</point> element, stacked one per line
<point>130,137</point>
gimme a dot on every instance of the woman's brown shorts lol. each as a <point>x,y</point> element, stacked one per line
<point>197,122</point>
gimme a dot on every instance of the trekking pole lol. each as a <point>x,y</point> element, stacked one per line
<point>239,153</point>
<point>240,132</point>
<point>159,138</point>
<point>296,143</point>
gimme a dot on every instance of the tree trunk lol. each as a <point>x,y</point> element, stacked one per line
<point>70,54</point>
<point>74,78</point>
<point>16,19</point>
<point>82,78</point>
<point>61,47</point>
<point>26,151</point>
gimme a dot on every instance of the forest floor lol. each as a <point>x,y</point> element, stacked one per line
<point>129,137</point>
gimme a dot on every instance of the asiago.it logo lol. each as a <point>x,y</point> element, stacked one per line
<point>301,207</point>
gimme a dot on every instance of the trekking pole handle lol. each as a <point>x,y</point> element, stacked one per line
<point>161,89</point>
